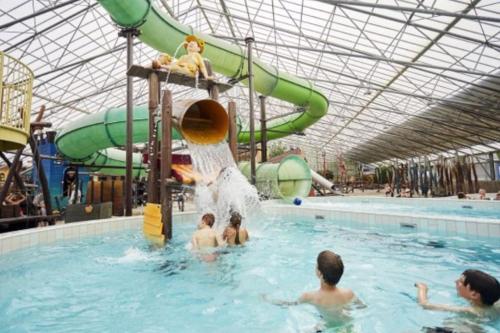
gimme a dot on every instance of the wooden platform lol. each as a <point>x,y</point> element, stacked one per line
<point>180,79</point>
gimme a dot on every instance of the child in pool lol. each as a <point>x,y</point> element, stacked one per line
<point>329,299</point>
<point>205,236</point>
<point>234,234</point>
<point>479,288</point>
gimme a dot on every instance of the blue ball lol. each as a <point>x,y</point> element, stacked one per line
<point>297,201</point>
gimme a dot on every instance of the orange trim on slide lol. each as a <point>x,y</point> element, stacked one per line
<point>186,171</point>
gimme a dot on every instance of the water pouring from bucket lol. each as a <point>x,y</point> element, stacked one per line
<point>220,187</point>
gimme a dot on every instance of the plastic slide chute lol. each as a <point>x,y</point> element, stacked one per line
<point>325,183</point>
<point>289,179</point>
<point>104,130</point>
<point>89,138</point>
<point>165,34</point>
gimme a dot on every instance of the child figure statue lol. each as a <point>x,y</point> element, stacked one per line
<point>189,64</point>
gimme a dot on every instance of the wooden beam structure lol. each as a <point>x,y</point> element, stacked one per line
<point>166,163</point>
<point>176,78</point>
<point>233,129</point>
<point>153,193</point>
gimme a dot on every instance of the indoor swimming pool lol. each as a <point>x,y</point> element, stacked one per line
<point>116,282</point>
<point>411,206</point>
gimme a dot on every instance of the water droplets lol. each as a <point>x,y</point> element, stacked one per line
<point>222,188</point>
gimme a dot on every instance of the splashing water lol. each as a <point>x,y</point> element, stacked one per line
<point>234,193</point>
<point>209,160</point>
<point>222,187</point>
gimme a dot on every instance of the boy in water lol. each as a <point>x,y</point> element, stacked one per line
<point>205,236</point>
<point>328,299</point>
<point>479,288</point>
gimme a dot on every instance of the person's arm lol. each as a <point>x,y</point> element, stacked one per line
<point>219,241</point>
<point>423,300</point>
<point>194,242</point>
<point>225,235</point>
<point>304,298</point>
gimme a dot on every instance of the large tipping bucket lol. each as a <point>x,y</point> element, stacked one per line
<point>202,121</point>
<point>289,179</point>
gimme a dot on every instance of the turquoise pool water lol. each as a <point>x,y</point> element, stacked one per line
<point>429,207</point>
<point>116,283</point>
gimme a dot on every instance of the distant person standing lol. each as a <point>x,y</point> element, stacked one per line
<point>388,190</point>
<point>39,203</point>
<point>180,201</point>
<point>482,194</point>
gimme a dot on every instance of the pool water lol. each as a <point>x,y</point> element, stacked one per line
<point>116,283</point>
<point>443,207</point>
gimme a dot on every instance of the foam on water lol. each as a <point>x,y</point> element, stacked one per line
<point>131,255</point>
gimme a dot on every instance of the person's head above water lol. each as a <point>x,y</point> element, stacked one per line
<point>208,219</point>
<point>235,219</point>
<point>330,267</point>
<point>479,287</point>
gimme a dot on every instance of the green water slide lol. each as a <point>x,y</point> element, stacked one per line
<point>88,138</point>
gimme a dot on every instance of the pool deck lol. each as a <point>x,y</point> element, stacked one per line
<point>440,225</point>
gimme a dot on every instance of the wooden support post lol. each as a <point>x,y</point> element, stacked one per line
<point>153,141</point>
<point>491,162</point>
<point>249,41</point>
<point>17,177</point>
<point>166,163</point>
<point>263,129</point>
<point>233,129</point>
<point>41,176</point>
<point>213,89</point>
<point>129,130</point>
<point>12,170</point>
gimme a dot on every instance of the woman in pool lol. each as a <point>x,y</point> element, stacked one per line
<point>233,234</point>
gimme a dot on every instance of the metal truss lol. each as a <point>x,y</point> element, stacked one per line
<point>404,78</point>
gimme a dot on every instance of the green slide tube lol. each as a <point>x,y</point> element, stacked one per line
<point>88,139</point>
<point>165,34</point>
<point>288,179</point>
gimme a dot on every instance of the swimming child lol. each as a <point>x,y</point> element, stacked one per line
<point>233,234</point>
<point>205,236</point>
<point>479,288</point>
<point>329,299</point>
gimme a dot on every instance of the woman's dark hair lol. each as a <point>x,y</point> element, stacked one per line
<point>235,221</point>
<point>484,284</point>
<point>330,265</point>
<point>210,219</point>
